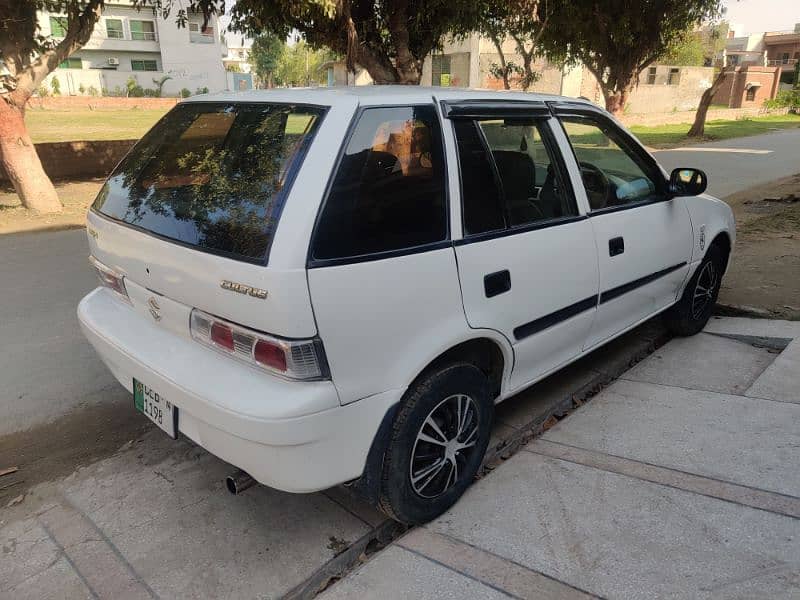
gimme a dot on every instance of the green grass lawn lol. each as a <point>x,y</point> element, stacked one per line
<point>84,124</point>
<point>46,125</point>
<point>664,136</point>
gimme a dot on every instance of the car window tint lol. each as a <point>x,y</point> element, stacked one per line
<point>212,175</point>
<point>482,202</point>
<point>389,190</point>
<point>611,174</point>
<point>511,179</point>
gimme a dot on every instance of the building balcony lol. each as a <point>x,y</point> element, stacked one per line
<point>782,62</point>
<point>141,42</point>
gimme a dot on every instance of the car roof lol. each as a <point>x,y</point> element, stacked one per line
<point>377,95</point>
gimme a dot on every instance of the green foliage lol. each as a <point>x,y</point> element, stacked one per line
<point>185,92</point>
<point>785,99</point>
<point>201,90</point>
<point>697,47</point>
<point>265,55</point>
<point>390,38</point>
<point>42,91</point>
<point>299,65</point>
<point>55,84</point>
<point>233,68</point>
<point>160,84</point>
<point>92,91</point>
<point>617,39</point>
<point>81,89</point>
<point>524,21</point>
<point>133,89</point>
<point>687,51</point>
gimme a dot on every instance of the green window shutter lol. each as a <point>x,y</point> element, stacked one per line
<point>114,29</point>
<point>142,30</point>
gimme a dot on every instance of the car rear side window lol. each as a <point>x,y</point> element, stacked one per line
<point>213,175</point>
<point>509,175</point>
<point>388,193</point>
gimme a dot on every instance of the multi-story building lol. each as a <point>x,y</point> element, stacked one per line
<point>783,49</point>
<point>757,66</point>
<point>743,50</point>
<point>769,49</point>
<point>128,43</point>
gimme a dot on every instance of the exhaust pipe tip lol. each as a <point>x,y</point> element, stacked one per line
<point>238,482</point>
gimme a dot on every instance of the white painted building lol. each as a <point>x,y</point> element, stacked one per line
<point>129,43</point>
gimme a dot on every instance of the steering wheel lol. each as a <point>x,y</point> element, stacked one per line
<point>597,185</point>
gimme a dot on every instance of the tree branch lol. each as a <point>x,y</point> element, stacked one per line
<point>80,27</point>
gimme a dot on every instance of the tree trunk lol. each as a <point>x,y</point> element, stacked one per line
<point>616,101</point>
<point>698,128</point>
<point>18,157</point>
<point>503,64</point>
<point>380,68</point>
<point>407,67</point>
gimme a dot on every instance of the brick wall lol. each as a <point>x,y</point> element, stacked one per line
<point>73,160</point>
<point>733,92</point>
<point>776,51</point>
<point>675,118</point>
<point>107,102</point>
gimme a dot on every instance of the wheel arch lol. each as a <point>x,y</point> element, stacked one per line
<point>486,349</point>
<point>723,241</point>
<point>487,353</point>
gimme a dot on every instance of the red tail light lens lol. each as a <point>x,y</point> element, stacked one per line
<point>270,355</point>
<point>222,335</point>
<point>293,359</point>
<point>109,278</point>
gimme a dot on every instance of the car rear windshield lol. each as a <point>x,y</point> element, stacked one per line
<point>213,175</point>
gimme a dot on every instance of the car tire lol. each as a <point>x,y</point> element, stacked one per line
<point>692,311</point>
<point>437,443</point>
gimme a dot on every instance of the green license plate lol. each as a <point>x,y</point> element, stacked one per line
<point>156,408</point>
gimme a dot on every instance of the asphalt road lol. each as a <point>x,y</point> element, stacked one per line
<point>47,368</point>
<point>735,165</point>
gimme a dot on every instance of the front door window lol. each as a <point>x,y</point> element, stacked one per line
<point>613,174</point>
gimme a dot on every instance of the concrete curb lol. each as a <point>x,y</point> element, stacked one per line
<point>388,531</point>
<point>739,310</point>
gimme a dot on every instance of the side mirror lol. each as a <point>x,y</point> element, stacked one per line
<point>687,182</point>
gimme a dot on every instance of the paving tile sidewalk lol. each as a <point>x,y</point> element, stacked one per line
<point>679,480</point>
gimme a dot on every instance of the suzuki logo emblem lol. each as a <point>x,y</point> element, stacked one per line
<point>154,308</point>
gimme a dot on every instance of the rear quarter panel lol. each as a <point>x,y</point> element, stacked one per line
<point>383,321</point>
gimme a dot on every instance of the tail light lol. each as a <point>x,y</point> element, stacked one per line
<point>294,359</point>
<point>110,278</point>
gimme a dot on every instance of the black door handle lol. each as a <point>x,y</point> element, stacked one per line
<point>497,283</point>
<point>616,246</point>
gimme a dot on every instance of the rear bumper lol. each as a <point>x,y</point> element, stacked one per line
<point>293,436</point>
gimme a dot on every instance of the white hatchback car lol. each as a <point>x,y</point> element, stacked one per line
<point>328,286</point>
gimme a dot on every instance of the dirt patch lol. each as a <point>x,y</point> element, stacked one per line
<point>76,196</point>
<point>53,450</point>
<point>765,273</point>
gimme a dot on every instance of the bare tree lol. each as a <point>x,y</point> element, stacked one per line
<point>698,128</point>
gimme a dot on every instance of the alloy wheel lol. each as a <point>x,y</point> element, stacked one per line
<point>704,290</point>
<point>444,445</point>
